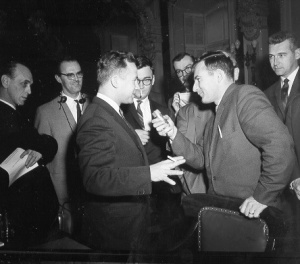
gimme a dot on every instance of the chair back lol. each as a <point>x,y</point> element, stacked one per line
<point>226,230</point>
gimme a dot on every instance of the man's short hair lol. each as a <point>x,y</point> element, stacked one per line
<point>181,55</point>
<point>65,58</point>
<point>8,67</point>
<point>214,60</point>
<point>112,62</point>
<point>282,36</point>
<point>143,61</point>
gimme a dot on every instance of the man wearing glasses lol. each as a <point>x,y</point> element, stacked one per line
<point>182,63</point>
<point>58,118</point>
<point>139,114</point>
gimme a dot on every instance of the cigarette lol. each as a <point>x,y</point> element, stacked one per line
<point>220,131</point>
<point>170,158</point>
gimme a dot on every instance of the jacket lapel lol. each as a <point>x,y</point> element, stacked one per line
<point>125,125</point>
<point>295,88</point>
<point>65,111</point>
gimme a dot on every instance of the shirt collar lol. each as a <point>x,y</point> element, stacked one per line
<point>291,77</point>
<point>9,104</point>
<point>70,98</point>
<point>144,101</point>
<point>111,102</point>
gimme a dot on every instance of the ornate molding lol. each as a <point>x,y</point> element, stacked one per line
<point>144,16</point>
<point>252,17</point>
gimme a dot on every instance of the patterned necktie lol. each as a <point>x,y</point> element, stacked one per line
<point>140,113</point>
<point>284,92</point>
<point>78,110</point>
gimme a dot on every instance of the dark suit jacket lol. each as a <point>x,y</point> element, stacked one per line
<point>31,200</point>
<point>293,124</point>
<point>274,95</point>
<point>156,146</point>
<point>243,148</point>
<point>116,174</point>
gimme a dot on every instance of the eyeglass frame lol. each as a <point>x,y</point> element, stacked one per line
<point>72,76</point>
<point>142,81</point>
<point>190,67</point>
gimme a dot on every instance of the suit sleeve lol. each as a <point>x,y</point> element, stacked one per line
<point>105,171</point>
<point>182,146</point>
<point>265,130</point>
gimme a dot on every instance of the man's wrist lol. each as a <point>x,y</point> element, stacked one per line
<point>173,135</point>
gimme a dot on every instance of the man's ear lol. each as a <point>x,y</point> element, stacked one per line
<point>57,78</point>
<point>297,53</point>
<point>114,81</point>
<point>5,81</point>
<point>153,79</point>
<point>220,75</point>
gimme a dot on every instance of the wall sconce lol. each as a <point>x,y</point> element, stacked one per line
<point>247,58</point>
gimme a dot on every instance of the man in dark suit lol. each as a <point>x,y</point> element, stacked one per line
<point>113,162</point>
<point>139,114</point>
<point>243,145</point>
<point>30,201</point>
<point>284,53</point>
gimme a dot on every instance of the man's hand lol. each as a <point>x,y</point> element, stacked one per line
<point>165,128</point>
<point>176,102</point>
<point>143,135</point>
<point>161,170</point>
<point>295,186</point>
<point>33,157</point>
<point>252,208</point>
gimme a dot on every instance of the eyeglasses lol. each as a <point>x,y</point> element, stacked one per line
<point>187,70</point>
<point>72,76</point>
<point>145,82</point>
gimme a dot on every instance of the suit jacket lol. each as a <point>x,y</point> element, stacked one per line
<point>191,122</point>
<point>56,120</point>
<point>116,174</point>
<point>156,146</point>
<point>243,148</point>
<point>274,95</point>
<point>293,124</point>
<point>30,201</point>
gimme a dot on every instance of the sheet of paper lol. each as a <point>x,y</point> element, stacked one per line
<point>15,166</point>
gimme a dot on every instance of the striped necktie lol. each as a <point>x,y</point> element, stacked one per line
<point>284,92</point>
<point>140,113</point>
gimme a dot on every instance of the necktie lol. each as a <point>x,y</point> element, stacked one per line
<point>123,117</point>
<point>284,92</point>
<point>140,113</point>
<point>78,110</point>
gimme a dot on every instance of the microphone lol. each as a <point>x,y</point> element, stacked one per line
<point>82,100</point>
<point>63,99</point>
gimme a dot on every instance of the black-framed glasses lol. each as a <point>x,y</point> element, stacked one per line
<point>145,82</point>
<point>72,76</point>
<point>187,70</point>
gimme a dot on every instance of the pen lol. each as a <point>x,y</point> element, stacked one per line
<point>170,158</point>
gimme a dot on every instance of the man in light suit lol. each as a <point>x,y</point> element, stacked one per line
<point>58,118</point>
<point>243,145</point>
<point>113,162</point>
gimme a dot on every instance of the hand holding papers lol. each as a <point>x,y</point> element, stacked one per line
<point>15,165</point>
